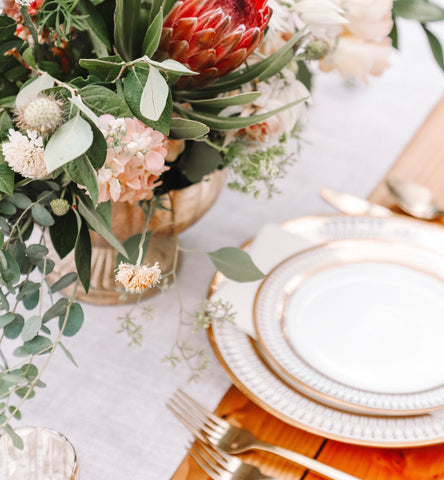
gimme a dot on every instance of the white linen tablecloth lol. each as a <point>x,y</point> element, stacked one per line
<point>112,407</point>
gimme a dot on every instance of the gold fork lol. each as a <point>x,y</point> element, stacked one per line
<point>209,428</point>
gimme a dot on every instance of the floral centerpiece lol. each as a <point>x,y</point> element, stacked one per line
<point>110,101</point>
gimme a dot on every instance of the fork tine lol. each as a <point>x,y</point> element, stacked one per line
<point>207,455</point>
<point>217,420</point>
<point>203,466</point>
<point>196,426</point>
<point>225,460</point>
<point>199,415</point>
<point>205,462</point>
<point>191,427</point>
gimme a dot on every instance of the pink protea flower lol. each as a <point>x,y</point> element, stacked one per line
<point>212,37</point>
<point>135,160</point>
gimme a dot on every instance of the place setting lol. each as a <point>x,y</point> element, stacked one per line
<point>341,338</point>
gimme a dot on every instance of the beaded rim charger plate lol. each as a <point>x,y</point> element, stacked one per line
<point>357,324</point>
<point>246,367</point>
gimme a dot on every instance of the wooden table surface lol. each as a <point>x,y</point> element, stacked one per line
<point>423,162</point>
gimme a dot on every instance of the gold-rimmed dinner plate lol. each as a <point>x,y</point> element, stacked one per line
<point>357,324</point>
<point>239,356</point>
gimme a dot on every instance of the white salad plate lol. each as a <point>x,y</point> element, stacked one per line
<point>357,324</point>
<point>318,409</point>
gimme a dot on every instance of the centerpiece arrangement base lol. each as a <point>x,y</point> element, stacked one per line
<point>182,209</point>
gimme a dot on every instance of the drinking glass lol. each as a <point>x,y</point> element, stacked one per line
<point>47,455</point>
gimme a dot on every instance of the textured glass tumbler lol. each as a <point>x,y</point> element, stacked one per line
<point>47,455</point>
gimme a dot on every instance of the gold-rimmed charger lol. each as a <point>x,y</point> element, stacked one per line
<point>246,368</point>
<point>357,324</point>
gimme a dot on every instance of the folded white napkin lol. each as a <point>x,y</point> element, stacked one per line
<point>271,246</point>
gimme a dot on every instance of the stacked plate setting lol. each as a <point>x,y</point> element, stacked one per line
<point>344,336</point>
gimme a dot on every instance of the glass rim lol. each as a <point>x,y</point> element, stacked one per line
<point>55,433</point>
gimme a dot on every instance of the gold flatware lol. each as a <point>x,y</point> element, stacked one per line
<point>414,199</point>
<point>353,205</point>
<point>210,428</point>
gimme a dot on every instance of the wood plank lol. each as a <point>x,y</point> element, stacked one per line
<point>421,161</point>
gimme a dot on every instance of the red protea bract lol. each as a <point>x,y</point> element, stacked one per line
<point>212,37</point>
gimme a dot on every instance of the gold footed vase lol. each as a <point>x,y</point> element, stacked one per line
<point>188,204</point>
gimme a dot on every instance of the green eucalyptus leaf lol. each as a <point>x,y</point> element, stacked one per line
<point>38,345</point>
<point>45,265</point>
<point>28,288</point>
<point>28,93</point>
<point>6,319</point>
<point>68,354</point>
<point>153,34</point>
<point>32,300</point>
<point>74,321</point>
<point>154,95</point>
<point>36,252</point>
<point>4,302</point>
<point>10,274</point>
<point>201,161</point>
<point>183,128</point>
<point>14,329</point>
<point>59,308</point>
<point>7,208</point>
<point>41,215</point>
<point>235,264</point>
<point>6,179</point>
<point>64,282</point>
<point>20,200</point>
<point>68,142</point>
<point>421,10</point>
<point>31,328</point>
<point>17,440</point>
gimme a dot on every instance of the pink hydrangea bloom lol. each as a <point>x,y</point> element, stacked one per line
<point>135,159</point>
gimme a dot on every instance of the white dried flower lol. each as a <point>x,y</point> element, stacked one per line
<point>136,278</point>
<point>44,114</point>
<point>24,154</point>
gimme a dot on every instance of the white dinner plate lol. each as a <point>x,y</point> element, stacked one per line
<point>240,358</point>
<point>358,324</point>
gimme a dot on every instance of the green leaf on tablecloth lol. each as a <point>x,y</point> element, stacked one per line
<point>235,264</point>
<point>74,321</point>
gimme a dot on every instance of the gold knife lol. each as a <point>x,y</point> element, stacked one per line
<point>353,205</point>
